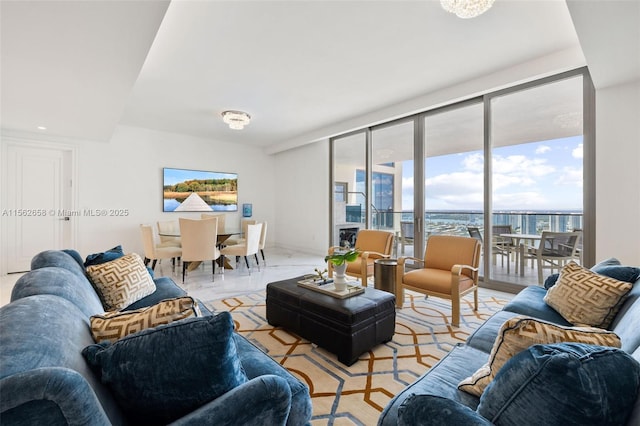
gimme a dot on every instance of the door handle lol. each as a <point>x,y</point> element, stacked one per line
<point>66,218</point>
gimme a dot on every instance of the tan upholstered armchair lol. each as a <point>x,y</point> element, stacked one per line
<point>449,270</point>
<point>372,244</point>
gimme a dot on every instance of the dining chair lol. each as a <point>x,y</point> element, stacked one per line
<point>372,244</point>
<point>263,241</point>
<point>248,248</point>
<point>168,230</point>
<point>242,239</point>
<point>199,237</point>
<point>554,250</point>
<point>449,271</point>
<point>154,251</point>
<point>219,216</point>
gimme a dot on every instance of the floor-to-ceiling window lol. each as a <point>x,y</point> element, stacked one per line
<point>537,152</point>
<point>349,195</point>
<point>508,162</point>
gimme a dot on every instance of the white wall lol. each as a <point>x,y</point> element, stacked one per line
<point>126,173</point>
<point>618,173</point>
<point>302,207</point>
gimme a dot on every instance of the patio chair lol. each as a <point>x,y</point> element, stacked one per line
<point>497,248</point>
<point>554,250</point>
<point>449,271</point>
<point>406,235</point>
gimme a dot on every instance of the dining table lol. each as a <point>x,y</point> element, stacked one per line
<point>220,240</point>
<point>519,240</point>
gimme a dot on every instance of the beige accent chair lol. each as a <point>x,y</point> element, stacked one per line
<point>169,227</point>
<point>248,248</point>
<point>372,244</point>
<point>199,241</point>
<point>449,271</point>
<point>155,252</point>
<point>219,216</point>
<point>242,240</point>
<point>554,251</point>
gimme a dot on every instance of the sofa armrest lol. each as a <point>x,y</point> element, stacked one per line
<point>50,395</point>
<point>264,400</point>
<point>431,410</point>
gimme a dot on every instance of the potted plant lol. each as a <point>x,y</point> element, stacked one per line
<point>339,261</point>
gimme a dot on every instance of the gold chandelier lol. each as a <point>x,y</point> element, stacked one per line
<point>466,8</point>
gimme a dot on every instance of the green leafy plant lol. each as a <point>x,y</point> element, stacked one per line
<point>341,256</point>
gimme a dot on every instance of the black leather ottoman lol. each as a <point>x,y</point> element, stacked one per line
<point>346,327</point>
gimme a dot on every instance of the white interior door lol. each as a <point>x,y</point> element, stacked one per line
<point>38,200</point>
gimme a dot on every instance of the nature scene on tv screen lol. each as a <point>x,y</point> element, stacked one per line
<point>199,191</point>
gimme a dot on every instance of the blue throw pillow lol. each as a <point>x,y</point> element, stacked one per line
<point>563,384</point>
<point>610,268</point>
<point>628,274</point>
<point>104,257</point>
<point>161,374</point>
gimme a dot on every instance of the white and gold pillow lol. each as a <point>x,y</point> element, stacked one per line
<point>582,296</point>
<point>113,326</point>
<point>519,333</point>
<point>121,282</point>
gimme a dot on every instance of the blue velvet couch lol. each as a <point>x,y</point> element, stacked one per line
<point>434,399</point>
<point>44,378</point>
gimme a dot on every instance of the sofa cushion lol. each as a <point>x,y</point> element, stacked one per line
<point>160,374</point>
<point>111,326</point>
<point>563,384</point>
<point>518,333</point>
<point>585,297</point>
<point>530,303</point>
<point>104,257</point>
<point>122,281</point>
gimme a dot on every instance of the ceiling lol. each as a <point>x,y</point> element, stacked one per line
<point>80,68</point>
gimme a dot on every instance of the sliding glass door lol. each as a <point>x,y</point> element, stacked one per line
<point>503,168</point>
<point>537,151</point>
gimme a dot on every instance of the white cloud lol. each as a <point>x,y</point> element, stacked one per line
<point>521,165</point>
<point>570,176</point>
<point>542,149</point>
<point>577,152</point>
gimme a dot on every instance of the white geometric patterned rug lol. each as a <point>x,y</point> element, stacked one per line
<point>357,394</point>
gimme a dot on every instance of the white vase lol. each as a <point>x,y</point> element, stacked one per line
<point>339,279</point>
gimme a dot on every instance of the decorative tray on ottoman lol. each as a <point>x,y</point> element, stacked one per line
<point>352,289</point>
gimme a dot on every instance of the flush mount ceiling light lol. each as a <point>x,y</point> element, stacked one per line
<point>466,8</point>
<point>236,119</point>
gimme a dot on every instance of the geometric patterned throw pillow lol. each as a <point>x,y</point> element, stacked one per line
<point>122,281</point>
<point>519,333</point>
<point>584,297</point>
<point>116,325</point>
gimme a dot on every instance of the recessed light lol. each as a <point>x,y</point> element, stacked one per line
<point>41,128</point>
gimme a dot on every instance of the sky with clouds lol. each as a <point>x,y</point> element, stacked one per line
<point>534,176</point>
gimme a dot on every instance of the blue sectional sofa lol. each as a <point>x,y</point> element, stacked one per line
<point>435,399</point>
<point>44,378</point>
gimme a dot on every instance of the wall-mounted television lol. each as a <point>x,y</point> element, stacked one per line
<point>199,191</point>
